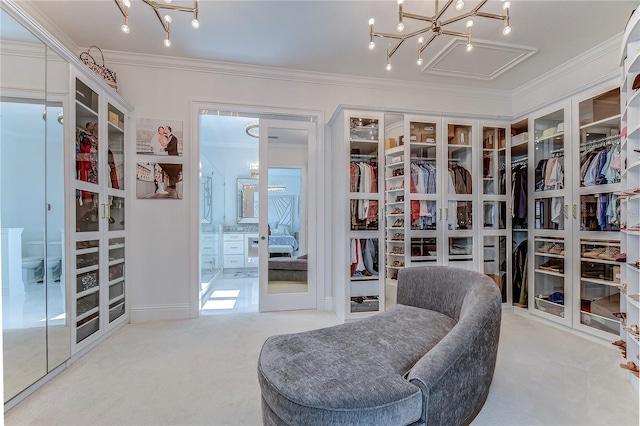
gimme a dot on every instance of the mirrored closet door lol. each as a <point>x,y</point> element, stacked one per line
<point>36,335</point>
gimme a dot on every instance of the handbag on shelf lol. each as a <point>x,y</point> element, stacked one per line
<point>101,71</point>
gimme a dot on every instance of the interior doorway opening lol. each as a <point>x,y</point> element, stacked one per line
<point>229,239</point>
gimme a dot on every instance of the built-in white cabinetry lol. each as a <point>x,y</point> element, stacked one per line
<point>630,198</point>
<point>549,205</point>
<point>240,250</point>
<point>100,124</point>
<point>210,251</point>
<point>358,211</point>
<point>518,213</point>
<point>573,217</point>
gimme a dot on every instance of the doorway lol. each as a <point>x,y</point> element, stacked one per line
<point>236,180</point>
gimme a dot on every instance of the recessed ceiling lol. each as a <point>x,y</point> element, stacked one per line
<point>332,36</point>
<point>486,61</point>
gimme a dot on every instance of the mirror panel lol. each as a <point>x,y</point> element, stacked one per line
<point>58,327</point>
<point>22,171</point>
<point>248,200</point>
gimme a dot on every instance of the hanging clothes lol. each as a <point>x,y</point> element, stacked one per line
<point>519,196</point>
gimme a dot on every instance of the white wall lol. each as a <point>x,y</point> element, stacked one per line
<point>162,290</point>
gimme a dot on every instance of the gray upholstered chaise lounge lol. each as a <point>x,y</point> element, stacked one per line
<point>428,360</point>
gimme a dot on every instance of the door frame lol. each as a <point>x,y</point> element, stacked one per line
<point>317,154</point>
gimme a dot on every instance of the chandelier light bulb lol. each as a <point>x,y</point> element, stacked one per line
<point>459,4</point>
<point>420,61</point>
<point>400,27</point>
<point>506,5</point>
<point>167,42</point>
<point>400,1</point>
<point>470,23</point>
<point>195,24</point>
<point>167,1</point>
<point>372,45</point>
<point>469,47</point>
<point>124,28</point>
<point>420,40</point>
<point>127,3</point>
<point>167,18</point>
<point>506,30</point>
<point>388,67</point>
<point>372,21</point>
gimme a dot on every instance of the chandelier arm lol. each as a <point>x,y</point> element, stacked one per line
<point>164,24</point>
<point>492,16</point>
<point>458,18</point>
<point>479,6</point>
<point>444,9</point>
<point>433,37</point>
<point>122,10</point>
<point>392,51</point>
<point>453,33</point>
<point>171,6</point>
<point>431,19</point>
<point>387,35</point>
<point>418,32</point>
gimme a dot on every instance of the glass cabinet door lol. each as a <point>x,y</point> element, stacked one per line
<point>596,211</point>
<point>115,154</point>
<point>422,238</point>
<point>87,133</point>
<point>493,209</point>
<point>459,215</point>
<point>551,217</point>
<point>364,184</point>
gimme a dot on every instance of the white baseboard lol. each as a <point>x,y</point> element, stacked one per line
<point>159,312</point>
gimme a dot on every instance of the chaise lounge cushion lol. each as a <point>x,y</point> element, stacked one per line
<point>316,377</point>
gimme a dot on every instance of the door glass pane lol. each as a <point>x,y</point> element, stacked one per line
<point>549,275</point>
<point>87,214</point>
<point>116,213</point>
<point>495,214</point>
<point>549,151</point>
<point>364,141</point>
<point>460,160</point>
<point>460,252</point>
<point>364,274</point>
<point>495,262</point>
<point>459,215</point>
<point>550,213</point>
<point>115,156</point>
<point>600,212</point>
<point>87,146</point>
<point>494,159</point>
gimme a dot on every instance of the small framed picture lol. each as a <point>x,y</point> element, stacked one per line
<point>158,180</point>
<point>159,137</point>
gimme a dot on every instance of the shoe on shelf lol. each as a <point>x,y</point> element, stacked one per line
<point>609,253</point>
<point>545,248</point>
<point>634,228</point>
<point>594,253</point>
<point>557,249</point>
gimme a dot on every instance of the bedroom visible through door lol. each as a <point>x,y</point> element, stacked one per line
<point>231,176</point>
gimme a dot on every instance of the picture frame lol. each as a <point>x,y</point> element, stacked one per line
<point>159,137</point>
<point>159,181</point>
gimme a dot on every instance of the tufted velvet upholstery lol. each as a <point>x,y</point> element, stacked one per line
<point>428,360</point>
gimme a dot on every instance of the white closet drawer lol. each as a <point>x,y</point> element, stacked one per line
<point>232,247</point>
<point>234,261</point>
<point>233,237</point>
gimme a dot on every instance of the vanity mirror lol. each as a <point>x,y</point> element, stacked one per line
<point>248,200</point>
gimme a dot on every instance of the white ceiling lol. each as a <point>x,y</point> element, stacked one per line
<point>332,36</point>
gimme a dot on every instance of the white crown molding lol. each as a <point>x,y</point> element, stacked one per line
<point>46,23</point>
<point>580,61</point>
<point>272,73</point>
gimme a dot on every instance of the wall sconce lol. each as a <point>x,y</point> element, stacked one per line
<point>254,168</point>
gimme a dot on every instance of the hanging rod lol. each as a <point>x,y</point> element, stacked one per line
<point>364,156</point>
<point>615,139</point>
<point>520,161</point>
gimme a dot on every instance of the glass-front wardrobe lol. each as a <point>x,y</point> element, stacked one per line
<point>35,314</point>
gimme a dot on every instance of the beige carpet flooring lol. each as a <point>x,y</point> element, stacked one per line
<point>203,372</point>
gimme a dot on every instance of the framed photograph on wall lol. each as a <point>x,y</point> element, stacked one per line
<point>159,180</point>
<point>159,137</point>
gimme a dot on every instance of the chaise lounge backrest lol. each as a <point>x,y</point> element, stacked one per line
<point>454,376</point>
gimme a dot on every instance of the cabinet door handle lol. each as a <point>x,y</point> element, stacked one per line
<point>104,211</point>
<point>440,214</point>
<point>575,211</point>
<point>566,211</point>
<point>446,210</point>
